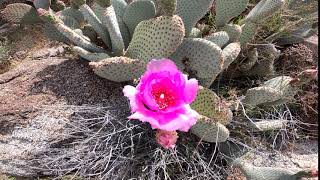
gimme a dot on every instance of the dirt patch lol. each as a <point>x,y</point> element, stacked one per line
<point>51,81</point>
<point>21,42</point>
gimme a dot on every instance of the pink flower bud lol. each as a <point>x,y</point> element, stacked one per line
<point>167,139</point>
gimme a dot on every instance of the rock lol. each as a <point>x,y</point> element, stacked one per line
<point>48,52</point>
<point>312,44</point>
<point>18,148</point>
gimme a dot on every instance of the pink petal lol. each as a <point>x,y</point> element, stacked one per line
<point>130,92</point>
<point>161,65</point>
<point>190,91</point>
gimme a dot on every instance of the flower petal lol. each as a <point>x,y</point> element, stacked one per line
<point>130,92</point>
<point>161,65</point>
<point>190,91</point>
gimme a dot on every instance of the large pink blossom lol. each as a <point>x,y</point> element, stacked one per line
<point>162,97</point>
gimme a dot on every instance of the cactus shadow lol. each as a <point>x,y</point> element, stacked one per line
<point>74,82</point>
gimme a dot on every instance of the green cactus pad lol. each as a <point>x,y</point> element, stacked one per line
<point>73,12</point>
<point>109,20</point>
<point>138,11</point>
<point>263,10</point>
<point>271,173</point>
<point>96,23</point>
<point>43,4</point>
<point>70,34</point>
<point>268,125</point>
<point>168,7</point>
<point>119,69</point>
<point>210,131</point>
<point>202,57</point>
<point>228,9</point>
<point>195,33</point>
<point>219,38</point>
<point>156,38</point>
<point>79,31</point>
<point>191,12</point>
<point>260,95</point>
<point>52,33</point>
<point>230,53</point>
<point>119,8</point>
<point>20,13</point>
<point>234,31</point>
<point>248,32</point>
<point>70,22</point>
<point>210,105</point>
<point>88,55</point>
<point>273,92</point>
<point>88,31</point>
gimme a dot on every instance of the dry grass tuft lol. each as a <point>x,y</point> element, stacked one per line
<point>102,143</point>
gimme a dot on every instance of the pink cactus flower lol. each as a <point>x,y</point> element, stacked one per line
<point>162,97</point>
<point>167,139</point>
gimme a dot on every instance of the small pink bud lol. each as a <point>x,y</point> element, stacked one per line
<point>167,139</point>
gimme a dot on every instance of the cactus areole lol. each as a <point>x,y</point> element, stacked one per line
<point>162,97</point>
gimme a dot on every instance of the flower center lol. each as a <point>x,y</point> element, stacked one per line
<point>164,97</point>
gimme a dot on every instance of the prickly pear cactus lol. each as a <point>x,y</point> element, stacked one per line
<point>264,9</point>
<point>191,12</point>
<point>88,55</point>
<point>210,131</point>
<point>271,92</point>
<point>20,13</point>
<point>208,104</point>
<point>202,57</point>
<point>138,11</point>
<point>215,114</point>
<point>220,38</point>
<point>205,59</point>
<point>156,38</point>
<point>226,10</point>
<point>269,173</point>
<point>119,69</point>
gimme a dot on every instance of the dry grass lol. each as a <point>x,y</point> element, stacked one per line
<point>102,143</point>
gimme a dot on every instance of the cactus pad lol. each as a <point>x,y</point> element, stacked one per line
<point>191,11</point>
<point>230,53</point>
<point>109,20</point>
<point>275,91</point>
<point>52,33</point>
<point>156,38</point>
<point>263,10</point>
<point>73,12</point>
<point>201,56</point>
<point>195,33</point>
<point>228,9</point>
<point>259,173</point>
<point>20,13</point>
<point>210,105</point>
<point>119,69</point>
<point>210,131</point>
<point>119,8</point>
<point>234,31</point>
<point>219,38</point>
<point>88,55</point>
<point>96,23</point>
<point>248,32</point>
<point>138,11</point>
<point>268,125</point>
